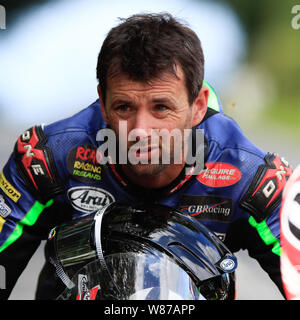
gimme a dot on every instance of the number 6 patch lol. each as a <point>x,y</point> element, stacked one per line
<point>264,193</point>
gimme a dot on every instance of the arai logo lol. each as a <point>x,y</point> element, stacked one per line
<point>228,264</point>
<point>89,199</point>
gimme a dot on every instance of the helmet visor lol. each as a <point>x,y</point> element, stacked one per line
<point>137,276</point>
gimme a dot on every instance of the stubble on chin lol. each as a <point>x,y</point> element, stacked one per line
<point>144,170</point>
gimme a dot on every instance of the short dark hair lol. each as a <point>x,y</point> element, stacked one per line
<point>145,45</point>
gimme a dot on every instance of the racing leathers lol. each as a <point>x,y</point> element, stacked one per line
<point>54,175</point>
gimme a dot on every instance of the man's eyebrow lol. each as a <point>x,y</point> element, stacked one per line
<point>161,100</point>
<point>121,101</point>
<point>124,101</point>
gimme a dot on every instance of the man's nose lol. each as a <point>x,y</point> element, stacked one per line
<point>143,123</point>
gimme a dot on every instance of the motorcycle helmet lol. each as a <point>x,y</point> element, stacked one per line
<point>141,252</point>
<point>290,236</point>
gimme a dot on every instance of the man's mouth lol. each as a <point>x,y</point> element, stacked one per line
<point>144,149</point>
<point>144,153</point>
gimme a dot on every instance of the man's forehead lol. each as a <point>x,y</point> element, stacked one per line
<point>121,81</point>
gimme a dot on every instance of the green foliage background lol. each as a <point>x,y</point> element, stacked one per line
<point>274,46</point>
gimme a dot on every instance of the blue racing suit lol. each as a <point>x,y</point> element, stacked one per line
<point>53,175</point>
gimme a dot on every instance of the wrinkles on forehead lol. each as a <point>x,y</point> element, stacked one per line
<point>166,87</point>
<point>146,76</point>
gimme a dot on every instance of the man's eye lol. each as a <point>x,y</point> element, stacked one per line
<point>123,108</point>
<point>161,107</point>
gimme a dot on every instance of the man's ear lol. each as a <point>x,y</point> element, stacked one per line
<point>102,105</point>
<point>200,106</point>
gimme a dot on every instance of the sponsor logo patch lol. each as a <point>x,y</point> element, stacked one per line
<point>4,208</point>
<point>219,174</point>
<point>83,163</point>
<point>8,189</point>
<point>89,199</point>
<point>207,207</point>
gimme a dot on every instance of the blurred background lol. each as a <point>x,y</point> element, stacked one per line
<point>48,54</point>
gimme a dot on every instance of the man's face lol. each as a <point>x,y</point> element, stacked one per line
<point>145,109</point>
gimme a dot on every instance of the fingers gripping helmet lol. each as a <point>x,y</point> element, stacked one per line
<point>141,252</point>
